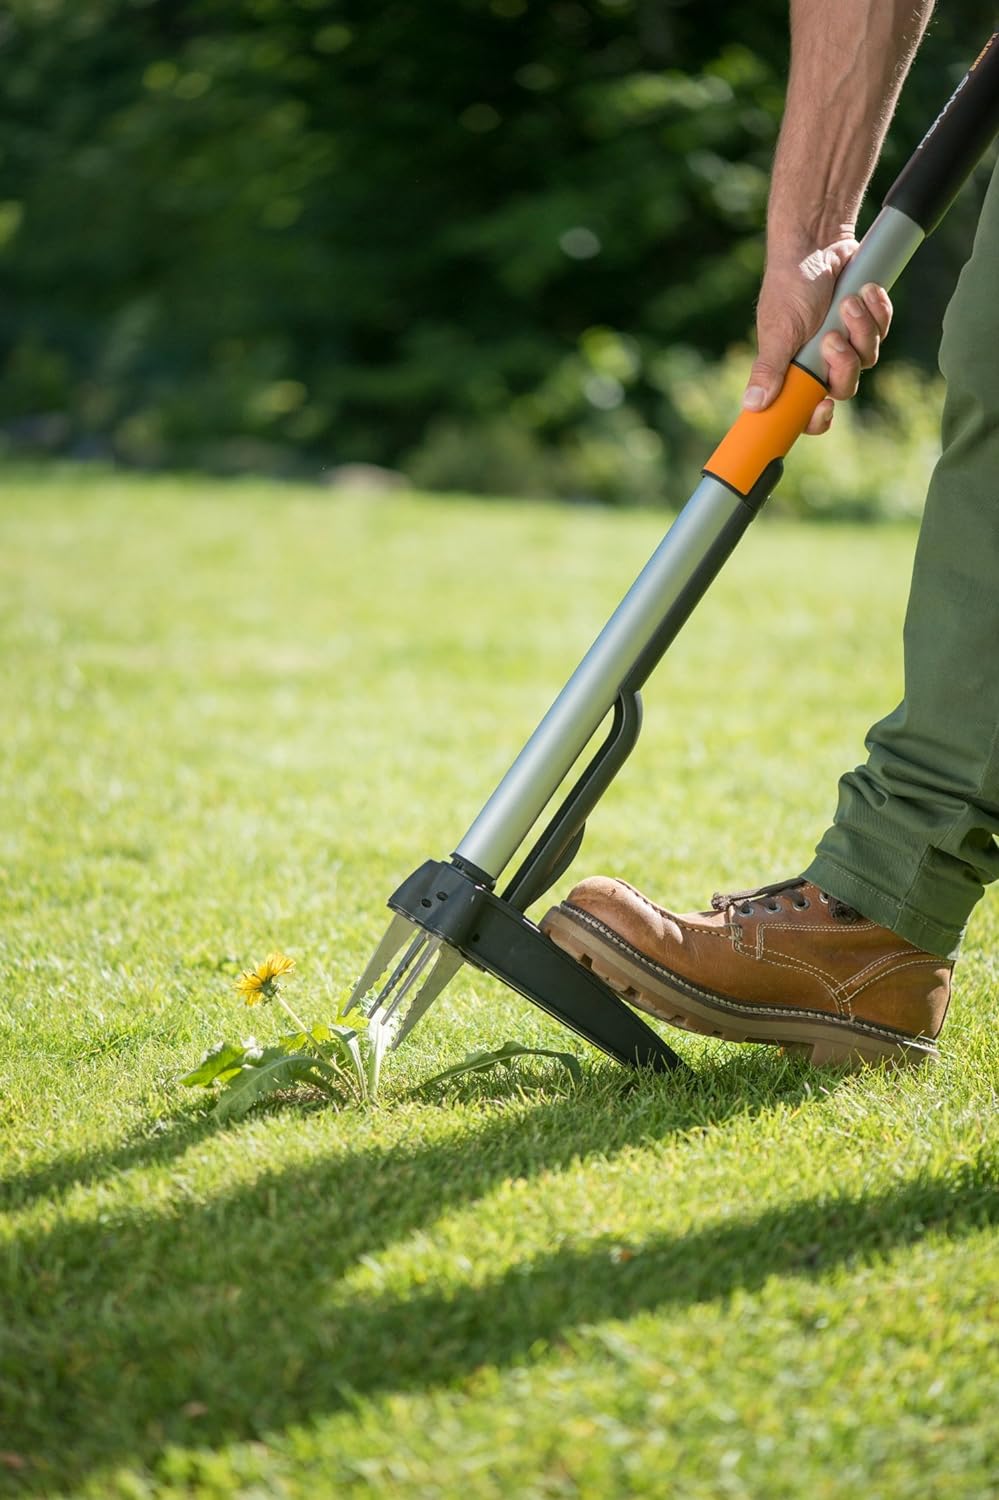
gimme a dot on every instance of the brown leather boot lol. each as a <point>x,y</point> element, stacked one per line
<point>785,964</point>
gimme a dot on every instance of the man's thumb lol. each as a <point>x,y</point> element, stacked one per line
<point>763,385</point>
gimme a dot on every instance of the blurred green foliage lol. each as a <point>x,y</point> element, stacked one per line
<point>487,241</point>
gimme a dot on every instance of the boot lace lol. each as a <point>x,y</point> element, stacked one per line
<point>770,896</point>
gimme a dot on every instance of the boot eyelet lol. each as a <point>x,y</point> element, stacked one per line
<point>773,906</point>
<point>823,898</point>
<point>747,910</point>
<point>801,905</point>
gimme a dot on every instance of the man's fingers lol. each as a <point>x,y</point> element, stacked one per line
<point>763,385</point>
<point>842,366</point>
<point>866,318</point>
<point>878,305</point>
<point>862,329</point>
<point>821,417</point>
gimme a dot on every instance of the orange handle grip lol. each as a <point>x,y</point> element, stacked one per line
<point>756,438</point>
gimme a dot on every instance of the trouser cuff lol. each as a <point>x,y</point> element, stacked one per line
<point>884,908</point>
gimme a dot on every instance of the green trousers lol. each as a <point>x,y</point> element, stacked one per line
<point>913,843</point>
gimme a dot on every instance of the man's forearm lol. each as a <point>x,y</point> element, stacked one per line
<point>849,59</point>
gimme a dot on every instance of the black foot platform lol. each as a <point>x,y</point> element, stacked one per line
<point>496,937</point>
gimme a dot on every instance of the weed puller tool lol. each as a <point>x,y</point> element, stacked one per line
<point>448,911</point>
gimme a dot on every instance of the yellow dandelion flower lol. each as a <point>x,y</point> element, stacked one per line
<point>261,983</point>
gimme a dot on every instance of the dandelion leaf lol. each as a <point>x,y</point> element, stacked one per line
<point>274,1070</point>
<point>223,1062</point>
<point>478,1062</point>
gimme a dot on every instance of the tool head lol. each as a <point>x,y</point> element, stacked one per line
<point>414,981</point>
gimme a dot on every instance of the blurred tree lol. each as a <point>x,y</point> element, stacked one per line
<point>238,234</point>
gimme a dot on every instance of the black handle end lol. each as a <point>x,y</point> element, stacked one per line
<point>954,143</point>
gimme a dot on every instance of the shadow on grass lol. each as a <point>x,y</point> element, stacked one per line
<point>715,1094</point>
<point>152,1145</point>
<point>209,1322</point>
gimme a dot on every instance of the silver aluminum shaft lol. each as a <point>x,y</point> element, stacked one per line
<point>576,714</point>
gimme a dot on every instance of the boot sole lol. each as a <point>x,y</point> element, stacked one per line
<point>648,986</point>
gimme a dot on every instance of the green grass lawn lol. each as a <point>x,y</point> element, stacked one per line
<point>237,715</point>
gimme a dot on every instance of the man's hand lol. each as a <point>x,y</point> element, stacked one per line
<point>848,62</point>
<point>794,300</point>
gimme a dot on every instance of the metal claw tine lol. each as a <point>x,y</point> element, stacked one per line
<point>401,969</point>
<point>426,957</point>
<point>400,929</point>
<point>449,960</point>
<point>408,975</point>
